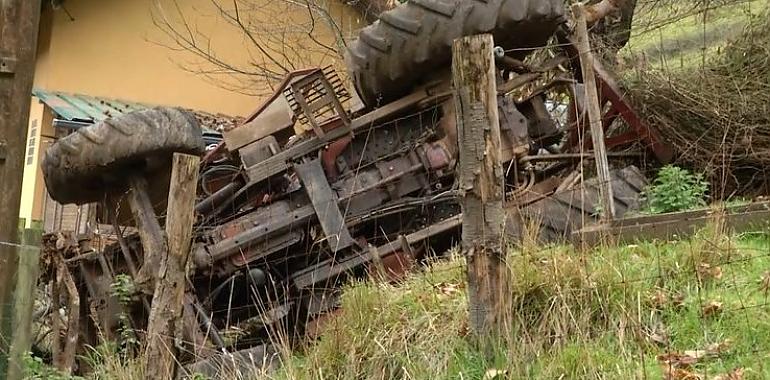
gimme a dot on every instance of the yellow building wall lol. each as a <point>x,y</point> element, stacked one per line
<point>115,49</point>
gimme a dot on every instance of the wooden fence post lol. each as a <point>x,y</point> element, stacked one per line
<point>481,181</point>
<point>165,321</point>
<point>594,113</point>
<point>19,21</point>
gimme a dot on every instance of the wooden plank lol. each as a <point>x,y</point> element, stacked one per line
<point>164,326</point>
<point>594,113</point>
<point>481,184</point>
<point>673,225</point>
<point>153,242</point>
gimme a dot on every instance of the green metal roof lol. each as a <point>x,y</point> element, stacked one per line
<point>84,108</point>
<point>92,109</point>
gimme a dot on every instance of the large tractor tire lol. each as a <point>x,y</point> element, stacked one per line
<point>96,160</point>
<point>414,40</point>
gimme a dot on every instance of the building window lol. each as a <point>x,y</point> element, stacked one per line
<point>31,142</point>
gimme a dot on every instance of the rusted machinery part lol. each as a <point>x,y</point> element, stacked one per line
<point>413,40</point>
<point>97,159</point>
<point>570,209</point>
<point>250,362</point>
<point>613,28</point>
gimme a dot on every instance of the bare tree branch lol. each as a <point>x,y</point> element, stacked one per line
<point>279,36</point>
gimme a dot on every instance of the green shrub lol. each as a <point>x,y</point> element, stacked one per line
<point>36,369</point>
<point>675,189</point>
<point>124,289</point>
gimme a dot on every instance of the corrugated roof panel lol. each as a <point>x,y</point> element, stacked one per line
<point>76,107</point>
<point>84,108</point>
<point>64,108</point>
<point>88,105</point>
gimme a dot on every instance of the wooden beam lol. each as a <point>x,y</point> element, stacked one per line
<point>480,182</point>
<point>19,21</point>
<point>678,225</point>
<point>154,244</point>
<point>165,323</point>
<point>594,112</point>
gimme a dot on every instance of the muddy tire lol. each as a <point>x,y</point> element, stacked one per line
<point>414,39</point>
<point>83,166</point>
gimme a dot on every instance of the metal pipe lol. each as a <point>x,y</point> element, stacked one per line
<point>61,123</point>
<point>573,156</point>
<point>204,320</point>
<point>220,196</point>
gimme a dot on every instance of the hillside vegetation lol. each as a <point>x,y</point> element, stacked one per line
<point>678,310</point>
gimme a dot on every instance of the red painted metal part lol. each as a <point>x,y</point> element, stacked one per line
<point>212,154</point>
<point>619,107</point>
<point>663,152</point>
<point>330,154</point>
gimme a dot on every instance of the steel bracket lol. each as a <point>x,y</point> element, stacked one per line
<point>325,204</point>
<point>7,64</point>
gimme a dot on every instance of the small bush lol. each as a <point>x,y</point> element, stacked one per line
<point>675,189</point>
<point>36,369</point>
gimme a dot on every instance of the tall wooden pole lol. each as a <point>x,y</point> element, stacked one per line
<point>19,21</point>
<point>481,181</point>
<point>165,322</point>
<point>594,113</point>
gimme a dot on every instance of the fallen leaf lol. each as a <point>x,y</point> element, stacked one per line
<point>696,355</point>
<point>492,374</point>
<point>670,373</point>
<point>765,282</point>
<point>658,334</point>
<point>736,374</point>
<point>448,289</point>
<point>678,300</point>
<point>464,330</point>
<point>659,338</point>
<point>659,299</point>
<point>706,271</point>
<point>717,349</point>
<point>712,308</point>
<point>676,359</point>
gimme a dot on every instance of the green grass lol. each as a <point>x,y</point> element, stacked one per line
<point>604,313</point>
<point>573,316</point>
<point>679,35</point>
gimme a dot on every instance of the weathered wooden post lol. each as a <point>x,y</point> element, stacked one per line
<point>594,112</point>
<point>19,21</point>
<point>481,181</point>
<point>165,321</point>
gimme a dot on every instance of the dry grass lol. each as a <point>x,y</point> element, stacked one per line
<point>716,113</point>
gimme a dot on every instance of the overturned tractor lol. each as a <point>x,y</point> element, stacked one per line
<point>320,185</point>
